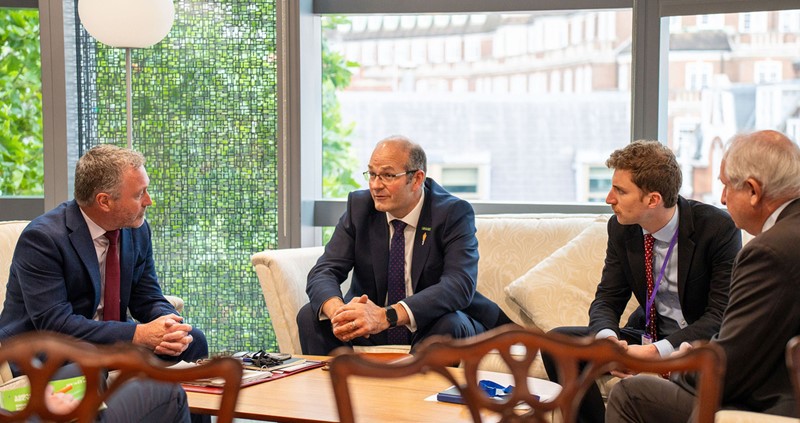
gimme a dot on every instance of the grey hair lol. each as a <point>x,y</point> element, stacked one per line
<point>416,155</point>
<point>769,157</point>
<point>101,169</point>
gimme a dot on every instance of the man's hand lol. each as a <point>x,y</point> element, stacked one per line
<point>59,402</point>
<point>359,317</point>
<point>646,352</point>
<point>166,335</point>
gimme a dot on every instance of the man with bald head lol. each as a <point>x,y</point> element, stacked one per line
<point>412,248</point>
<point>761,177</point>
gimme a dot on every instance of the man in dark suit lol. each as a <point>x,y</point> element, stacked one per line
<point>58,280</point>
<point>692,250</point>
<point>760,173</point>
<point>435,263</point>
<point>57,277</point>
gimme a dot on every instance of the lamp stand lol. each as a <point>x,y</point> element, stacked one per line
<point>129,96</point>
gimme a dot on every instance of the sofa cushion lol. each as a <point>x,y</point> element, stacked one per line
<point>509,246</point>
<point>559,290</point>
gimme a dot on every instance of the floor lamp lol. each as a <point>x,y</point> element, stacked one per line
<point>127,24</point>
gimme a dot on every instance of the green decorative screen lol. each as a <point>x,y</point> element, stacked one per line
<point>205,117</point>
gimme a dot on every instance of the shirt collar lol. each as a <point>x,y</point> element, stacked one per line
<point>666,233</point>
<point>412,218</point>
<point>770,222</point>
<point>94,229</point>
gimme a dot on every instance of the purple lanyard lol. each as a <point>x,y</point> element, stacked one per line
<point>652,298</point>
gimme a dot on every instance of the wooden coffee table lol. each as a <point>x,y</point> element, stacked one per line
<point>308,397</point>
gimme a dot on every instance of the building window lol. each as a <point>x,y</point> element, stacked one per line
<point>793,129</point>
<point>461,175</point>
<point>754,22</point>
<point>716,21</point>
<point>767,71</point>
<point>789,21</point>
<point>698,75</point>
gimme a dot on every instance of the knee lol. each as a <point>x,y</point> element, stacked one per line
<point>199,342</point>
<point>619,396</point>
<point>305,317</point>
<point>457,324</point>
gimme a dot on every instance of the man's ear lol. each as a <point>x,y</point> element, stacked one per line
<point>756,191</point>
<point>103,201</point>
<point>419,179</point>
<point>655,199</point>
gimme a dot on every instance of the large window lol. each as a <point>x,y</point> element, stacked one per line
<point>21,156</point>
<point>503,103</point>
<point>728,73</point>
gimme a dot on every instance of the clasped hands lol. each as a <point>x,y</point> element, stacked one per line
<point>359,317</point>
<point>648,352</point>
<point>166,335</point>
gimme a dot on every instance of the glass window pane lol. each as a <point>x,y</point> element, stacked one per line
<point>21,149</point>
<point>205,118</point>
<point>728,73</point>
<point>501,94</point>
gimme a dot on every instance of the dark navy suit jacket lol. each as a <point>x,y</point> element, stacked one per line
<point>54,282</point>
<point>444,268</point>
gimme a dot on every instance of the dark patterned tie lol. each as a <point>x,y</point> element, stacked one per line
<point>648,271</point>
<point>111,293</point>
<point>397,279</point>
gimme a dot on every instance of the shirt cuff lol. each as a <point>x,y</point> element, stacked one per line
<point>606,333</point>
<point>412,323</point>
<point>664,348</point>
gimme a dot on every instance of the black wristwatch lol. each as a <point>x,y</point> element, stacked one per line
<point>391,316</point>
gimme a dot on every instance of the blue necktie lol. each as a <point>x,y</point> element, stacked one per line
<point>397,280</point>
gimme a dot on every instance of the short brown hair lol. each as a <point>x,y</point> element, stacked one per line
<point>653,168</point>
<point>101,170</point>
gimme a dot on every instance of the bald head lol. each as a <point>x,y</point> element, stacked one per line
<point>416,155</point>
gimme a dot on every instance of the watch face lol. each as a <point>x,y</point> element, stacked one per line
<point>391,316</point>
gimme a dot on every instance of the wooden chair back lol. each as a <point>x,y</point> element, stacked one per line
<point>793,364</point>
<point>600,356</point>
<point>39,355</point>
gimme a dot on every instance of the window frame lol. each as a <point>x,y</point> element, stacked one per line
<point>299,84</point>
<point>54,114</point>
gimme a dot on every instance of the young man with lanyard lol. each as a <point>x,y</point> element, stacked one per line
<point>760,174</point>
<point>674,255</point>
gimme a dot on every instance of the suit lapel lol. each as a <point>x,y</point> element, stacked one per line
<point>634,246</point>
<point>379,243</point>
<point>83,244</point>
<point>423,239</point>
<point>686,245</point>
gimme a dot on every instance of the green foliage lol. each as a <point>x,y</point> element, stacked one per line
<point>205,117</point>
<point>21,150</point>
<point>338,162</point>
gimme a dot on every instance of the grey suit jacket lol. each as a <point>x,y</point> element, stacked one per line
<point>762,315</point>
<point>708,242</point>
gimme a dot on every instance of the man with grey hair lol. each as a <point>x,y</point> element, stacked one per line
<point>760,173</point>
<point>412,249</point>
<point>82,267</point>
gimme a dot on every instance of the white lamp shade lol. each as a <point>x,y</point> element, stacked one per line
<point>127,23</point>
